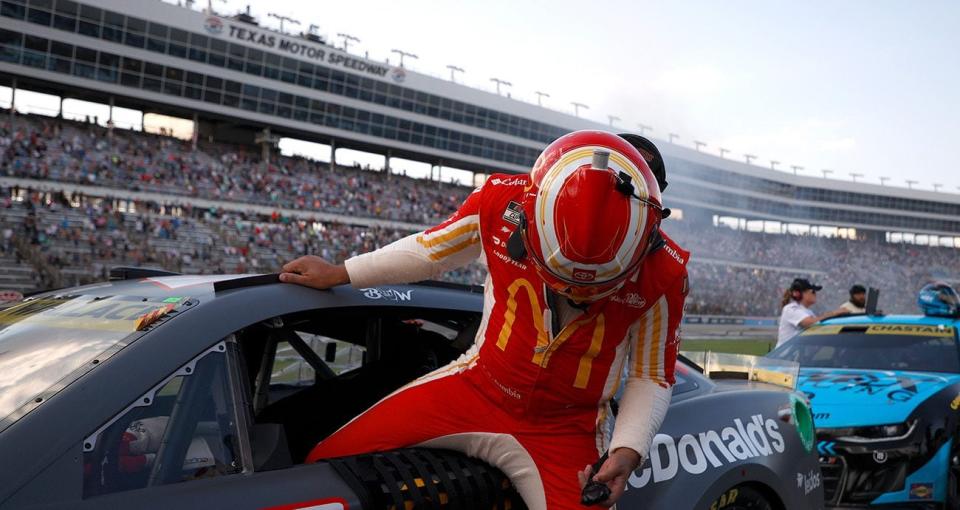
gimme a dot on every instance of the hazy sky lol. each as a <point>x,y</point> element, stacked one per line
<point>867,86</point>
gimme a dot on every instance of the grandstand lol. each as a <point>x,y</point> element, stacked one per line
<point>78,197</point>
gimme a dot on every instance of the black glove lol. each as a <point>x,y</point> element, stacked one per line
<point>594,493</point>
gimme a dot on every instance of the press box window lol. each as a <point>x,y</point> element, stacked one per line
<point>184,429</point>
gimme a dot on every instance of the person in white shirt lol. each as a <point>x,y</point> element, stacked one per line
<point>858,300</point>
<point>796,315</point>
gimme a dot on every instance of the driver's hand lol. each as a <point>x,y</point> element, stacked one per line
<point>312,271</point>
<point>614,472</point>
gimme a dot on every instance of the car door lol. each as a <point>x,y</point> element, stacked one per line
<point>187,443</point>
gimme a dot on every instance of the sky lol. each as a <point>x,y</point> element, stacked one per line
<point>855,86</point>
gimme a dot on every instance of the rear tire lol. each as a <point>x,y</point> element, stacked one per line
<point>953,498</point>
<point>741,497</point>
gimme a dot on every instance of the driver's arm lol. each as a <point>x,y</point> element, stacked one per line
<point>649,385</point>
<point>806,322</point>
<point>424,255</point>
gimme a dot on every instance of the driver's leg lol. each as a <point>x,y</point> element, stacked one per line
<point>559,455</point>
<point>420,412</point>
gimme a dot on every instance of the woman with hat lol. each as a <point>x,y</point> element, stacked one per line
<point>796,314</point>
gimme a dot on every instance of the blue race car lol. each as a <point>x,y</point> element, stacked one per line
<point>885,392</point>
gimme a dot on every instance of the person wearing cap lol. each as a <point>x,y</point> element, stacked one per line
<point>796,314</point>
<point>582,285</point>
<point>858,300</point>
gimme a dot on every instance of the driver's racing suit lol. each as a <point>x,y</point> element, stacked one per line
<point>531,396</point>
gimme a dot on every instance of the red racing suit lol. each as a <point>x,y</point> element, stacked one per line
<point>531,396</point>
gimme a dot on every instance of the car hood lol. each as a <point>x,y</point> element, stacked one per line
<point>852,397</point>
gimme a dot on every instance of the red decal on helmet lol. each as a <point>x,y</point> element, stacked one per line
<point>584,275</point>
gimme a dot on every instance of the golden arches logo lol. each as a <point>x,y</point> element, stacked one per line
<point>510,315</point>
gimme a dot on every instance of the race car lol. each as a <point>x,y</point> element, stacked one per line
<point>885,392</point>
<point>155,391</point>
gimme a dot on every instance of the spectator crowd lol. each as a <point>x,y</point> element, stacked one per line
<point>75,238</point>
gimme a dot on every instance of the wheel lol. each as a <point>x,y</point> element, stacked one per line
<point>953,497</point>
<point>741,497</point>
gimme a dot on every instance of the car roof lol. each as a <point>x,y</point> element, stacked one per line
<point>892,319</point>
<point>207,288</point>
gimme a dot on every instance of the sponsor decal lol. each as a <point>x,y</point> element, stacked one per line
<point>921,491</point>
<point>955,403</point>
<point>510,392</point>
<point>673,253</point>
<point>387,294</point>
<point>808,482</point>
<point>497,241</point>
<point>820,416</point>
<point>695,453</point>
<point>213,25</point>
<point>398,75</point>
<point>879,456</point>
<point>898,389</point>
<point>512,181</point>
<point>505,229</point>
<point>300,48</point>
<point>512,213</point>
<point>506,258</point>
<point>584,275</point>
<point>110,313</point>
<point>631,299</point>
<point>911,329</point>
<point>726,499</point>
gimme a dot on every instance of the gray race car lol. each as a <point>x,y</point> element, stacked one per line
<point>209,391</point>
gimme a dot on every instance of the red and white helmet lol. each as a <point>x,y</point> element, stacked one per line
<point>591,213</point>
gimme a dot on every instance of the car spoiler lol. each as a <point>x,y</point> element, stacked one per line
<point>719,365</point>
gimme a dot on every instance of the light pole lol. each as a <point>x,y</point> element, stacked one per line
<point>773,164</point>
<point>826,172</point>
<point>749,158</point>
<point>644,127</point>
<point>282,19</point>
<point>723,151</point>
<point>698,144</point>
<point>540,96</point>
<point>854,175</point>
<point>210,7</point>
<point>346,41</point>
<point>454,69</point>
<point>404,54</point>
<point>499,82</point>
<point>883,181</point>
<point>796,169</point>
<point>672,136</point>
<point>577,106</point>
<point>612,118</point>
<point>910,183</point>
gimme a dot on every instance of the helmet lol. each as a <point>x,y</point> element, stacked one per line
<point>939,299</point>
<point>590,214</point>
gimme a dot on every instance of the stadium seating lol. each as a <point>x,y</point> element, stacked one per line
<point>52,239</point>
